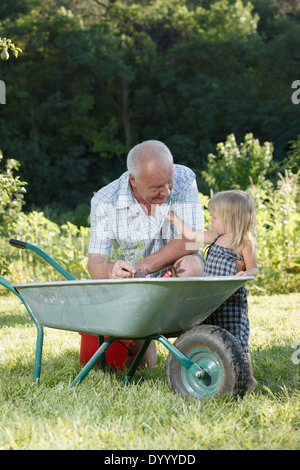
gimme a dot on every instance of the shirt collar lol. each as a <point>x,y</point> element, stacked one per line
<point>126,197</point>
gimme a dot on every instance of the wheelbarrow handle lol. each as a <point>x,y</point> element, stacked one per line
<point>17,243</point>
<point>52,262</point>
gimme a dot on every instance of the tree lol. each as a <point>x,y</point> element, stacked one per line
<point>98,76</point>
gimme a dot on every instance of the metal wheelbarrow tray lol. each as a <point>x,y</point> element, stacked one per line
<point>204,360</point>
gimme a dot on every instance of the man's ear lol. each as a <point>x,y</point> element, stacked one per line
<point>132,180</point>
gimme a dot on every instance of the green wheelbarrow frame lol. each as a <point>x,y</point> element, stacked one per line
<point>40,330</point>
<point>170,307</point>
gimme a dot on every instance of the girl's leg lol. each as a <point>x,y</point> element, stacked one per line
<point>150,357</point>
<point>252,380</point>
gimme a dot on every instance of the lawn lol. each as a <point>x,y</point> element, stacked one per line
<point>101,413</point>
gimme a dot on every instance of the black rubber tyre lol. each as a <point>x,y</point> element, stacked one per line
<point>217,352</point>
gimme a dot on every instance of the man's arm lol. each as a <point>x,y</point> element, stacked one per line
<point>166,256</point>
<point>97,267</point>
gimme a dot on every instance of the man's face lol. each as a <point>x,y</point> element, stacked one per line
<point>154,184</point>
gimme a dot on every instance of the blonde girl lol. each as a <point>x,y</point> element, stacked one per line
<point>231,251</point>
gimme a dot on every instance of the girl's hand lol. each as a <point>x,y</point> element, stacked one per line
<point>241,273</point>
<point>171,217</point>
<point>250,272</point>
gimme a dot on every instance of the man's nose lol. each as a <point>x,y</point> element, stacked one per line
<point>166,191</point>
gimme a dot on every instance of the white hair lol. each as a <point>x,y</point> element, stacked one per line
<point>140,152</point>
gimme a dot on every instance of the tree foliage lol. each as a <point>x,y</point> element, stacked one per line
<point>96,77</point>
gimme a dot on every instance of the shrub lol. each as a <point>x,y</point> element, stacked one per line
<point>278,223</point>
<point>235,165</point>
<point>11,200</point>
<point>67,244</point>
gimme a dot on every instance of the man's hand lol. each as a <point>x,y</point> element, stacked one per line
<point>122,269</point>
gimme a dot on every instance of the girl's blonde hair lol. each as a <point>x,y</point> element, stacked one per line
<point>236,211</point>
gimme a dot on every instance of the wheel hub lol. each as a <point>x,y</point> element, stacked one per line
<point>211,382</point>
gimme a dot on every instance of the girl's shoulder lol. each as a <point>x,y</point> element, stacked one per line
<point>223,240</point>
<point>248,245</point>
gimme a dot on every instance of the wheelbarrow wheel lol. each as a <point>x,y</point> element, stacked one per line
<point>219,354</point>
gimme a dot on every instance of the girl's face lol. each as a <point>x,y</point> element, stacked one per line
<point>216,224</point>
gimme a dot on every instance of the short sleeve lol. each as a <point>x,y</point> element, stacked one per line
<point>101,235</point>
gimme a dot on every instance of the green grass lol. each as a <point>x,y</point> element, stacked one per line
<point>101,413</point>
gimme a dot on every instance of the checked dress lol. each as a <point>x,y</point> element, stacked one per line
<point>232,315</point>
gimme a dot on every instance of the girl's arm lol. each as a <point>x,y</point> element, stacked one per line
<point>188,232</point>
<point>250,259</point>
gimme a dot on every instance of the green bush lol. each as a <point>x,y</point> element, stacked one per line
<point>67,244</point>
<point>278,224</point>
<point>235,166</point>
<point>12,192</point>
<point>11,200</point>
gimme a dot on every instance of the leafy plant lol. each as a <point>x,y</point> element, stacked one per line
<point>278,225</point>
<point>235,166</point>
<point>121,252</point>
<point>6,45</point>
<point>12,192</point>
<point>67,244</point>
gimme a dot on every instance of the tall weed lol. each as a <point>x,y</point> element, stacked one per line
<point>67,244</point>
<point>278,223</point>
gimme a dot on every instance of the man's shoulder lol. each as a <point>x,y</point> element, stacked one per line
<point>111,192</point>
<point>184,177</point>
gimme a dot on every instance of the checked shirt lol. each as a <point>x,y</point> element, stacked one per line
<point>118,219</point>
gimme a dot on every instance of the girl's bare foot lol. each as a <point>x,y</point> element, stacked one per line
<point>252,381</point>
<point>252,384</point>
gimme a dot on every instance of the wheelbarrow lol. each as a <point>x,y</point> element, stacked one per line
<point>204,361</point>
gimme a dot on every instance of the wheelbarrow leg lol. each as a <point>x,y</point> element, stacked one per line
<point>38,353</point>
<point>137,360</point>
<point>184,360</point>
<point>92,361</point>
<point>103,362</point>
<point>40,331</point>
<point>39,344</point>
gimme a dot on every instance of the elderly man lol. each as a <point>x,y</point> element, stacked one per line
<point>131,209</point>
